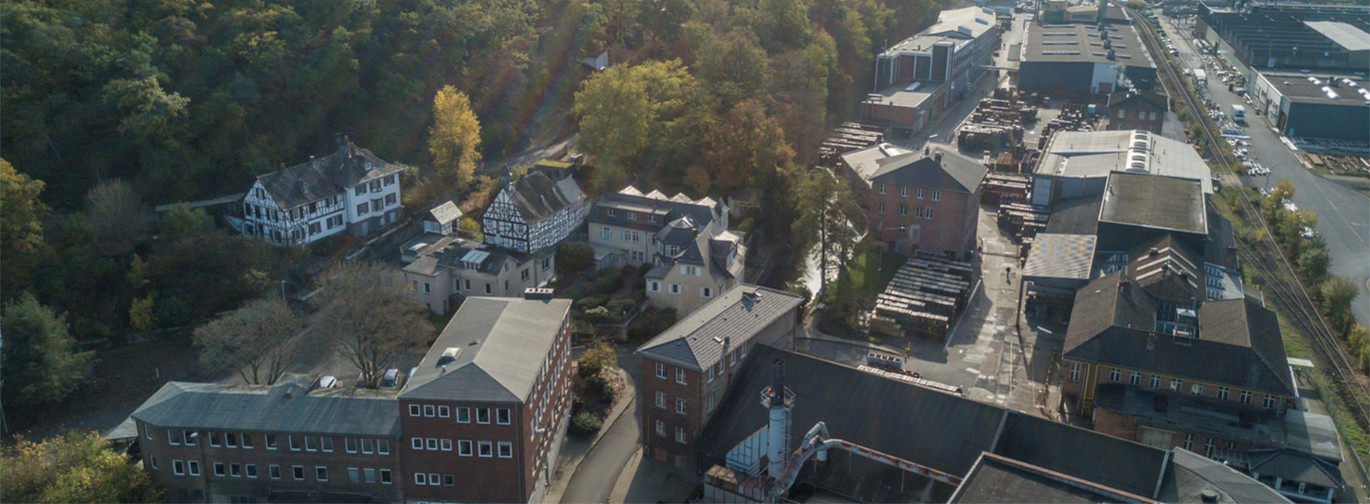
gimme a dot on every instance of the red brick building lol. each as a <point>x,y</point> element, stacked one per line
<point>1132,110</point>
<point>481,419</point>
<point>687,369</point>
<point>918,201</point>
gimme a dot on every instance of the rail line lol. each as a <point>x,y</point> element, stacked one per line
<point>1280,278</point>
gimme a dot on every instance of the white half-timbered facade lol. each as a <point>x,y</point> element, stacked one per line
<point>533,213</point>
<point>350,190</point>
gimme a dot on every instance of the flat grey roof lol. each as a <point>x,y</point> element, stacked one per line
<point>289,406</point>
<point>1088,154</point>
<point>1348,37</point>
<point>952,26</point>
<point>1308,88</point>
<point>1154,201</point>
<point>1061,256</point>
<point>1079,42</point>
<point>491,350</point>
<point>900,96</point>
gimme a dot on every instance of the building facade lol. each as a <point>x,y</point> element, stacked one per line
<point>481,420</point>
<point>452,269</point>
<point>350,190</point>
<point>533,213</point>
<point>1136,111</point>
<point>688,368</point>
<point>915,201</point>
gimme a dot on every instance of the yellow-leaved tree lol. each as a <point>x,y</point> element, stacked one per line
<point>454,138</point>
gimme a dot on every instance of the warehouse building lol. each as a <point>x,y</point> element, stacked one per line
<point>1314,106</point>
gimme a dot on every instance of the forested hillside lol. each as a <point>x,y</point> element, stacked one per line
<point>111,106</point>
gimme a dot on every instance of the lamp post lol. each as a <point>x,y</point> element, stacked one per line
<point>283,299</point>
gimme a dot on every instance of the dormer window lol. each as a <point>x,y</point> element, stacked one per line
<point>610,212</point>
<point>632,216</point>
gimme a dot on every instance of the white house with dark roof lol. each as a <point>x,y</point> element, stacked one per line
<point>533,213</point>
<point>350,190</point>
<point>442,219</point>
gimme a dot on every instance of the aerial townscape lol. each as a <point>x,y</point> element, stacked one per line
<point>733,251</point>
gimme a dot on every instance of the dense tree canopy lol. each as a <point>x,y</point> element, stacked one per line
<point>75,467</point>
<point>21,228</point>
<point>41,363</point>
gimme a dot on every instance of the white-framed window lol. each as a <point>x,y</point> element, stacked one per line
<point>903,209</point>
<point>1135,378</point>
<point>680,405</point>
<point>294,443</point>
<point>416,443</point>
<point>680,376</point>
<point>274,471</point>
<point>882,188</point>
<point>1075,371</point>
<point>1209,446</point>
<point>936,195</point>
<point>235,470</point>
<point>661,370</point>
<point>1269,402</point>
<point>1244,397</point>
<point>1189,441</point>
<point>675,288</point>
<point>503,416</point>
<point>178,467</point>
<point>880,206</point>
<point>194,467</point>
<point>606,233</point>
<point>689,270</point>
<point>350,445</point>
<point>446,444</point>
<point>706,292</point>
<point>1115,376</point>
<point>354,475</point>
<point>219,469</point>
<point>710,374</point>
<point>382,446</point>
<point>1175,385</point>
<point>173,438</point>
<point>485,449</point>
<point>369,475</point>
<point>506,449</point>
<point>903,191</point>
<point>1155,382</point>
<point>230,440</point>
<point>1196,389</point>
<point>463,414</point>
<point>1222,393</point>
<point>368,445</point>
<point>271,441</point>
<point>247,441</point>
<point>653,286</point>
<point>327,443</point>
<point>431,443</point>
<point>660,399</point>
<point>920,193</point>
<point>252,470</point>
<point>321,473</point>
<point>444,411</point>
<point>420,479</point>
<point>464,447</point>
<point>482,415</point>
<point>1121,113</point>
<point>709,403</point>
<point>311,443</point>
<point>153,461</point>
<point>679,434</point>
<point>213,439</point>
<point>429,410</point>
<point>660,428</point>
<point>929,214</point>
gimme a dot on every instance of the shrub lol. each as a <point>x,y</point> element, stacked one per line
<point>585,424</point>
<point>599,314</point>
<point>598,357</point>
<point>620,307</point>
<point>589,302</point>
<point>574,257</point>
<point>651,322</point>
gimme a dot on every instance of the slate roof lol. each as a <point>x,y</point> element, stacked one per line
<point>500,343</point>
<point>1190,474</point>
<point>738,314</point>
<point>1138,100</point>
<point>536,196</point>
<point>1155,201</point>
<point>928,427</point>
<point>444,213</point>
<point>1292,465</point>
<point>1220,246</point>
<point>996,479</point>
<point>882,164</point>
<point>319,178</point>
<point>702,211</point>
<point>1238,343</point>
<point>289,406</point>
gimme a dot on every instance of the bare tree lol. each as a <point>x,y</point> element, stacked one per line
<point>371,318</point>
<point>258,340</point>
<point>120,217</point>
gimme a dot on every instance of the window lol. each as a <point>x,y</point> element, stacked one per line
<point>675,288</point>
<point>1075,371</point>
<point>390,199</point>
<point>654,286</point>
<point>432,443</point>
<point>903,209</point>
<point>882,188</point>
<point>420,479</point>
<point>354,475</point>
<point>487,287</point>
<point>464,447</point>
<point>444,412</point>
<point>920,193</point>
<point>1269,402</point>
<point>369,475</point>
<point>1135,378</point>
<point>904,191</point>
<point>463,414</point>
<point>350,445</point>
<point>1121,113</point>
<point>367,446</point>
<point>385,476</point>
<point>1114,375</point>
<point>706,292</point>
<point>298,472</point>
<point>502,416</point>
<point>321,473</point>
<point>936,195</point>
<point>213,440</point>
<point>173,438</point>
<point>1189,441</point>
<point>446,444</point>
<point>271,441</point>
<point>483,415</point>
<point>178,468</point>
<point>1155,382</point>
<point>327,444</point>
<point>154,463</point>
<point>219,469</point>
<point>661,370</point>
<point>1175,385</point>
<point>606,233</point>
<point>506,449</point>
<point>680,376</point>
<point>194,467</point>
<point>230,440</point>
<point>710,374</point>
<point>1208,447</point>
<point>235,470</point>
<point>1222,393</point>
<point>416,443</point>
<point>929,214</point>
<point>382,446</point>
<point>274,471</point>
<point>361,189</point>
<point>680,405</point>
<point>448,480</point>
<point>294,444</point>
<point>247,441</point>
<point>680,434</point>
<point>709,403</point>
<point>486,449</point>
<point>429,410</point>
<point>880,207</point>
<point>361,209</point>
<point>252,470</point>
<point>1245,397</point>
<point>1196,389</point>
<point>660,428</point>
<point>414,410</point>
<point>311,443</point>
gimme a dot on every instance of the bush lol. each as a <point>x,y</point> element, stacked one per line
<point>599,314</point>
<point>589,302</point>
<point>574,257</point>
<point>585,424</point>
<point>620,307</point>
<point>1337,294</point>
<point>596,359</point>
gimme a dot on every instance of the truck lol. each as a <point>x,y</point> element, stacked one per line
<point>1200,77</point>
<point>1239,114</point>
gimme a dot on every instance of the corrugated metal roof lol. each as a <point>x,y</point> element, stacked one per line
<point>1348,37</point>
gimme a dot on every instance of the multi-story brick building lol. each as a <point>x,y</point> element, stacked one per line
<point>687,369</point>
<point>481,420</point>
<point>1136,110</point>
<point>918,201</point>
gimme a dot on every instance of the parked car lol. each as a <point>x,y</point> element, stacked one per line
<point>328,381</point>
<point>390,380</point>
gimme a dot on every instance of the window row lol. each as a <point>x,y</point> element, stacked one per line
<point>465,447</point>
<point>375,185</point>
<point>731,358</point>
<point>681,376</point>
<point>503,416</point>
<point>1177,385</point>
<point>433,479</point>
<point>680,435</point>
<point>177,437</point>
<point>680,402</point>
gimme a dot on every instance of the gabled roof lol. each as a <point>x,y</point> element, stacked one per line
<point>536,196</point>
<point>928,427</point>
<point>1245,324</point>
<point>491,350</point>
<point>1173,273</point>
<point>445,213</point>
<point>736,315</point>
<point>325,176</point>
<point>1190,474</point>
<point>1138,100</point>
<point>883,164</point>
<point>289,406</point>
<point>1295,466</point>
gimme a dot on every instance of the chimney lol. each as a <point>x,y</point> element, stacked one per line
<point>937,156</point>
<point>778,402</point>
<point>351,149</point>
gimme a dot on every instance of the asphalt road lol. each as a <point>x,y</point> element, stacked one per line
<point>1343,214</point>
<point>597,473</point>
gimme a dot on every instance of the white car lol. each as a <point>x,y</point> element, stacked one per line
<point>1308,233</point>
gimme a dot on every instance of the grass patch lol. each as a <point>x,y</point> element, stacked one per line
<point>1295,345</point>
<point>866,275</point>
<point>1346,424</point>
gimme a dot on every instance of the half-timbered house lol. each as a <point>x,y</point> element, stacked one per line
<point>350,190</point>
<point>533,213</point>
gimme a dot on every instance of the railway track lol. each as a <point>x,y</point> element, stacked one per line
<point>1281,280</point>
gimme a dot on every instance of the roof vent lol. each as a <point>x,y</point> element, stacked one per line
<point>1153,252</point>
<point>1208,495</point>
<point>542,294</point>
<point>448,355</point>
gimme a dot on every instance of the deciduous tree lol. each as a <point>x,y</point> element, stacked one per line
<point>745,148</point>
<point>258,341</point>
<point>1337,294</point>
<point>454,138</point>
<point>40,361</point>
<point>21,228</point>
<point>120,217</point>
<point>74,467</point>
<point>370,316</point>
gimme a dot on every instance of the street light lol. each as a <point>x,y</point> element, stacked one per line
<point>283,299</point>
